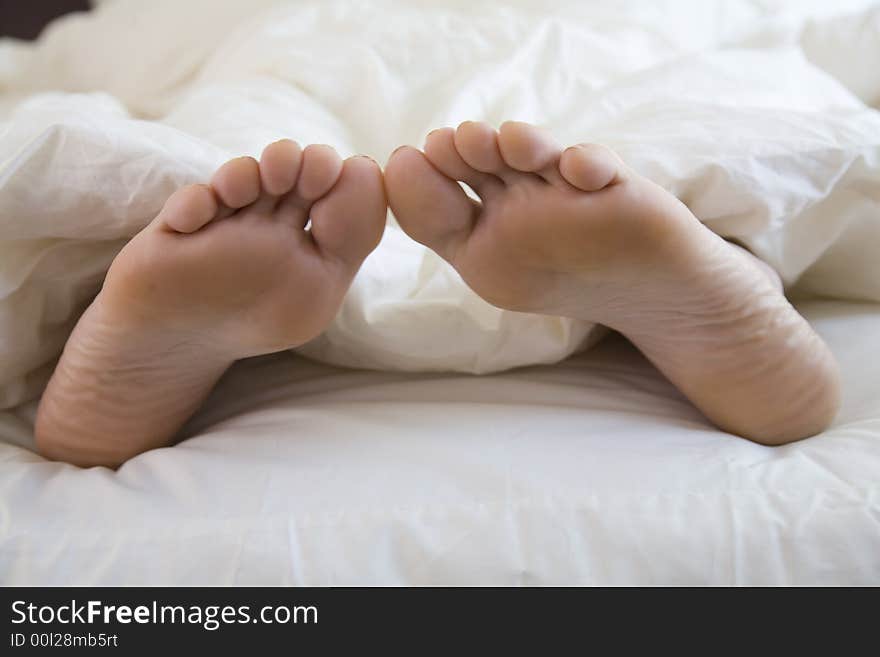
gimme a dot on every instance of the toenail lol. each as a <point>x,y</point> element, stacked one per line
<point>400,148</point>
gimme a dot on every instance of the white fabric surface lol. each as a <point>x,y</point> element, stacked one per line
<point>592,471</point>
<point>718,101</point>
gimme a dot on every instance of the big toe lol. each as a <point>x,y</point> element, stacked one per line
<point>348,221</point>
<point>430,207</point>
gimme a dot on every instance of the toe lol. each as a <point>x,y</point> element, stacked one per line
<point>591,167</point>
<point>347,223</point>
<point>477,143</point>
<point>441,151</point>
<point>526,147</point>
<point>319,171</point>
<point>429,206</point>
<point>237,183</point>
<point>188,209</point>
<point>279,166</point>
<point>319,168</point>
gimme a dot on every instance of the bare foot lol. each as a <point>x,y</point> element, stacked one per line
<point>576,233</point>
<point>225,271</point>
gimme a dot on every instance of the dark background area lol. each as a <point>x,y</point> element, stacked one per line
<point>24,19</point>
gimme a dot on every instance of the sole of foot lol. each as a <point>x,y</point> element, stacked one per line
<point>256,261</point>
<point>575,232</point>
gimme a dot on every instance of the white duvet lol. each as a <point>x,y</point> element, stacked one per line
<point>761,116</point>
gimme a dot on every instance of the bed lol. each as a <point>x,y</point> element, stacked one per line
<point>521,452</point>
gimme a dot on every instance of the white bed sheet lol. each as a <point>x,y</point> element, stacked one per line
<point>592,471</point>
<point>731,105</point>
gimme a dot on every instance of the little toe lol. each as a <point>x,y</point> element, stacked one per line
<point>526,147</point>
<point>591,167</point>
<point>188,209</point>
<point>237,183</point>
<point>347,223</point>
<point>441,151</point>
<point>429,206</point>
